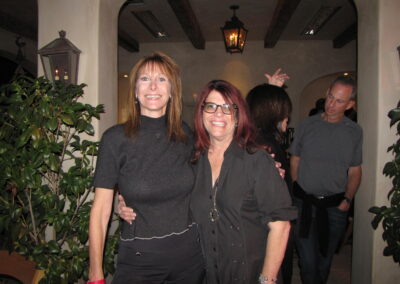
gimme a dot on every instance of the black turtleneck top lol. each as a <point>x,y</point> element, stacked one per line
<point>153,175</point>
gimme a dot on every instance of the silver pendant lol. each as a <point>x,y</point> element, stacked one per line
<point>214,215</point>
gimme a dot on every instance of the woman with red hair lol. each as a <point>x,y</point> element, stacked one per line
<point>239,200</point>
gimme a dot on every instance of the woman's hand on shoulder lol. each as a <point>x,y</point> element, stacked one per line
<point>278,165</point>
<point>126,213</point>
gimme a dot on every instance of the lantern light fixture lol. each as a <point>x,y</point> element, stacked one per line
<point>234,33</point>
<point>60,59</point>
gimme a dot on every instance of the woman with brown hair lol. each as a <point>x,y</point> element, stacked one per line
<point>270,107</point>
<point>147,158</point>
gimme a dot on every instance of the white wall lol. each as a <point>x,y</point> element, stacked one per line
<point>379,89</point>
<point>304,61</point>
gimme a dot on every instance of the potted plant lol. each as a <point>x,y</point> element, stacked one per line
<point>390,215</point>
<point>46,169</point>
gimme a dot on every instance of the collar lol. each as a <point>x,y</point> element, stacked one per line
<point>158,123</point>
<point>235,150</point>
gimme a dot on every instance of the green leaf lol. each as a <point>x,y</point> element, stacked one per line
<point>89,129</point>
<point>53,162</point>
<point>38,250</point>
<point>52,124</point>
<point>394,116</point>
<point>53,247</point>
<point>390,169</point>
<point>23,139</point>
<point>375,222</point>
<point>67,119</point>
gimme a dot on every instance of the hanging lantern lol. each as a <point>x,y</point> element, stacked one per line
<point>234,33</point>
<point>60,59</point>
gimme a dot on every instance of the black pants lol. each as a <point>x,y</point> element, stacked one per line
<point>177,259</point>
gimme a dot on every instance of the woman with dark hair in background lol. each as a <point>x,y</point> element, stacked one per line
<point>270,107</point>
<point>239,200</point>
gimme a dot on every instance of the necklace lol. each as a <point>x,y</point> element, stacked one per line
<point>214,214</point>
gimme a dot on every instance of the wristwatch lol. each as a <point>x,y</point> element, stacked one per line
<point>348,200</point>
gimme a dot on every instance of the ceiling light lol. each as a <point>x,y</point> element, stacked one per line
<point>320,18</point>
<point>234,33</point>
<point>150,22</point>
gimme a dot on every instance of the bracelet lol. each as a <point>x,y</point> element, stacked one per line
<point>97,282</point>
<point>264,280</point>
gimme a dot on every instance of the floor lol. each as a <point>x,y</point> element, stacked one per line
<point>340,270</point>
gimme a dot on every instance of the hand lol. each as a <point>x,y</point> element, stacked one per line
<point>277,79</point>
<point>278,165</point>
<point>126,213</point>
<point>344,206</point>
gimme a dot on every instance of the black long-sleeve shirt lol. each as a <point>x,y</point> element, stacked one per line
<point>250,194</point>
<point>153,175</point>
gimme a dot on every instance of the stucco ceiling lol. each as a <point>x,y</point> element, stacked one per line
<point>277,19</point>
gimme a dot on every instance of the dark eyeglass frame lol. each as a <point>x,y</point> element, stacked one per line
<point>225,108</point>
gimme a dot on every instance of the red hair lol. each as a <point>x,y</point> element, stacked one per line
<point>245,131</point>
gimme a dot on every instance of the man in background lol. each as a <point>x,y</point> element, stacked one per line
<point>326,167</point>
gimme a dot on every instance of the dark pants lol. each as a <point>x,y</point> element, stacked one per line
<point>172,260</point>
<point>315,267</point>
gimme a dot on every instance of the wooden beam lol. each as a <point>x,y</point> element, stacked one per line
<point>283,12</point>
<point>186,17</point>
<point>127,42</point>
<point>346,36</point>
<point>14,25</point>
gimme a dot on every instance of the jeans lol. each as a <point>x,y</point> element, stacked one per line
<point>314,267</point>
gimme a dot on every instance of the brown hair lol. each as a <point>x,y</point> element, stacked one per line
<point>269,106</point>
<point>174,109</point>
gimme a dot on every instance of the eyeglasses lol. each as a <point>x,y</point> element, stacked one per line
<point>212,108</point>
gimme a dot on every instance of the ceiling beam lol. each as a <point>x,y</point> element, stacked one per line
<point>127,42</point>
<point>346,36</point>
<point>186,17</point>
<point>283,12</point>
<point>14,25</point>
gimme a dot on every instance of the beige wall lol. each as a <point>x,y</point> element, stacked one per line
<point>93,29</point>
<point>379,86</point>
<point>304,61</point>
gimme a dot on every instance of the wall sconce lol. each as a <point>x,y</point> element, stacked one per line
<point>234,33</point>
<point>60,59</point>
